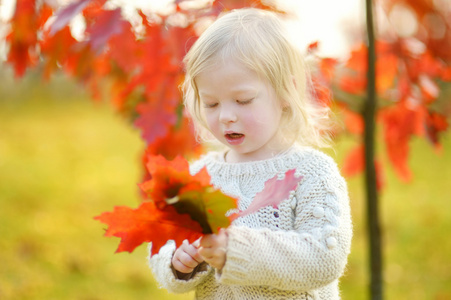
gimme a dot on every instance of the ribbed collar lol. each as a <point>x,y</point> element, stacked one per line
<point>290,158</point>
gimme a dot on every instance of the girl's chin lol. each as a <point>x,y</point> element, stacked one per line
<point>236,156</point>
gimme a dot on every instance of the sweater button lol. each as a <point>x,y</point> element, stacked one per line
<point>318,212</point>
<point>331,242</point>
<point>276,214</point>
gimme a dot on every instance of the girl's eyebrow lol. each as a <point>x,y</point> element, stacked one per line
<point>243,89</point>
<point>205,95</point>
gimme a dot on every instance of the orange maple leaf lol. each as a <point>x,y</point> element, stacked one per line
<point>180,140</point>
<point>23,37</point>
<point>400,123</point>
<point>148,223</point>
<point>54,48</point>
<point>354,164</point>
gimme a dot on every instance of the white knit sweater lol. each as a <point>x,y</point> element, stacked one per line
<point>297,251</point>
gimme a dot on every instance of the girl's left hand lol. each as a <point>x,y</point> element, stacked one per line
<point>213,248</point>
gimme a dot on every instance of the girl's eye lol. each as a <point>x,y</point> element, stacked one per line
<point>210,105</point>
<point>244,102</point>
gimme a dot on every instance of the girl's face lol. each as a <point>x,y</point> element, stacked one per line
<point>242,111</point>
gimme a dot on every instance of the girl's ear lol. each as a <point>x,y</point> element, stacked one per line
<point>286,107</point>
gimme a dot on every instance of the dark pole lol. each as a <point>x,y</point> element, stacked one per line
<point>370,175</point>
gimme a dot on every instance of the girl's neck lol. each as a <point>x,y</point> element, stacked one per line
<point>233,157</point>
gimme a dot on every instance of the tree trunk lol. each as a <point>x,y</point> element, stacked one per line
<point>369,109</point>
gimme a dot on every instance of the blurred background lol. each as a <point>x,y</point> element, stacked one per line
<point>65,158</point>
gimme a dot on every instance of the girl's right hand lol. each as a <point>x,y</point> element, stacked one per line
<point>186,258</point>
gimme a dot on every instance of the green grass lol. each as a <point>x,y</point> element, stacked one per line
<point>64,159</point>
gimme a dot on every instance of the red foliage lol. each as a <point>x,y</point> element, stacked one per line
<point>179,139</point>
<point>409,75</point>
<point>142,68</point>
<point>354,164</point>
<point>23,37</point>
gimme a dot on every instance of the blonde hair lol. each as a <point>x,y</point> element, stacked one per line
<point>258,39</point>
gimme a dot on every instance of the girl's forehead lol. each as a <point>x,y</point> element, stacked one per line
<point>229,67</point>
<point>233,74</point>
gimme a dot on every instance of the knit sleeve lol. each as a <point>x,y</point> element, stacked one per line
<point>161,266</point>
<point>310,256</point>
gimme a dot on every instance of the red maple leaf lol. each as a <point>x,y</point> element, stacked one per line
<point>23,37</point>
<point>354,162</point>
<point>353,121</point>
<point>107,24</point>
<point>66,14</point>
<point>55,49</point>
<point>180,140</point>
<point>400,123</point>
<point>154,120</point>
<point>435,124</point>
<point>148,223</point>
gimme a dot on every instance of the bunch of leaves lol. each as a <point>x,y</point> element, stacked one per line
<point>183,206</point>
<point>180,206</point>
<point>138,66</point>
<point>136,62</point>
<point>413,83</point>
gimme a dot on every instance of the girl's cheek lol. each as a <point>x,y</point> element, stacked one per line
<point>212,122</point>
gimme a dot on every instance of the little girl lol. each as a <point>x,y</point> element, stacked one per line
<point>247,87</point>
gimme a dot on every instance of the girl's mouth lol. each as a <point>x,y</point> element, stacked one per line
<point>234,138</point>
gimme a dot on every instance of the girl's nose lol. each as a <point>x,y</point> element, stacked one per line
<point>227,115</point>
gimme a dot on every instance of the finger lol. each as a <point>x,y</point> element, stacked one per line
<point>191,249</point>
<point>179,266</point>
<point>207,240</point>
<point>206,254</point>
<point>187,260</point>
<point>196,243</point>
<point>184,244</point>
<point>216,260</point>
<point>194,253</point>
<point>223,237</point>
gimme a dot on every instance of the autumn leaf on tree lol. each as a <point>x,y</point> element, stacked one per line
<point>66,14</point>
<point>154,120</point>
<point>108,23</point>
<point>354,164</point>
<point>181,135</point>
<point>55,53</point>
<point>23,37</point>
